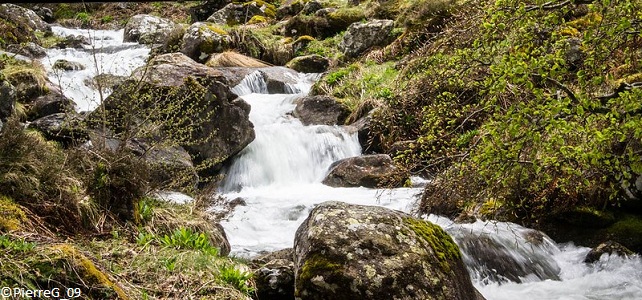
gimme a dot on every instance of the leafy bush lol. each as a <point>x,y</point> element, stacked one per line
<point>185,238</point>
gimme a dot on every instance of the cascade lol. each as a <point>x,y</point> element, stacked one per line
<point>105,54</point>
<point>278,175</point>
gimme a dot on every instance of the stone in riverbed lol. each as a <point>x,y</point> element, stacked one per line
<point>377,170</point>
<point>347,252</point>
<point>320,110</point>
<point>609,247</point>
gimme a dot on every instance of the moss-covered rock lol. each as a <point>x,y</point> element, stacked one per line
<point>202,39</point>
<point>309,64</point>
<point>345,251</point>
<point>19,25</point>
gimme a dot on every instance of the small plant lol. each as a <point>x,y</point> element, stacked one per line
<point>106,19</point>
<point>169,263</point>
<point>83,17</point>
<point>144,238</point>
<point>236,278</point>
<point>19,245</point>
<point>144,210</point>
<point>185,238</point>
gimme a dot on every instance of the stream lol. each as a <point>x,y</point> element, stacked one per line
<point>279,177</point>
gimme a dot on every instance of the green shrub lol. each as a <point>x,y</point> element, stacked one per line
<point>185,238</point>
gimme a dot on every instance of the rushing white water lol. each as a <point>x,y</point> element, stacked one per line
<point>106,54</point>
<point>278,175</point>
<point>613,277</point>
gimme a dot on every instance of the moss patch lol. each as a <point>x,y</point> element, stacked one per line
<point>628,232</point>
<point>319,265</point>
<point>439,241</point>
<point>11,215</point>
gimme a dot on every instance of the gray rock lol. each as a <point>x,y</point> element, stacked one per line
<point>202,39</point>
<point>309,64</point>
<point>148,29</point>
<point>30,49</point>
<point>371,171</point>
<point>235,14</point>
<point>274,275</point>
<point>312,7</point>
<point>65,65</point>
<point>362,36</point>
<point>20,24</point>
<point>45,13</point>
<point>202,11</point>
<point>320,110</point>
<point>171,166</point>
<point>49,104</point>
<point>289,9</point>
<point>7,99</point>
<point>223,127</point>
<point>345,251</point>
<point>105,81</point>
<point>73,41</point>
<point>61,127</point>
<point>370,142</point>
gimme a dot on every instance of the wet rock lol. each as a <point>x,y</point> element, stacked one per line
<point>320,110</point>
<point>309,64</point>
<point>65,65</point>
<point>609,247</point>
<point>370,142</point>
<point>30,49</point>
<point>274,275</point>
<point>362,36</point>
<point>49,104</point>
<point>202,39</point>
<point>223,127</point>
<point>20,24</point>
<point>64,128</point>
<point>73,41</point>
<point>345,251</point>
<point>45,13</point>
<point>7,98</point>
<point>235,14</point>
<point>496,260</point>
<point>371,171</point>
<point>148,29</point>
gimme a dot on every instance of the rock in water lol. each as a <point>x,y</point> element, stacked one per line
<point>371,171</point>
<point>345,251</point>
<point>320,110</point>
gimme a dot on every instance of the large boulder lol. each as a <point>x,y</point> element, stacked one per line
<point>309,64</point>
<point>362,36</point>
<point>52,103</point>
<point>345,251</point>
<point>377,170</point>
<point>220,126</point>
<point>320,110</point>
<point>148,29</point>
<point>202,39</point>
<point>19,25</point>
<point>235,14</point>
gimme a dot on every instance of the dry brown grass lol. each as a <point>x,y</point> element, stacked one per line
<point>234,59</point>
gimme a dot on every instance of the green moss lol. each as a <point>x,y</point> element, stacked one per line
<point>439,241</point>
<point>628,232</point>
<point>489,208</point>
<point>216,29</point>
<point>590,19</point>
<point>340,19</point>
<point>12,217</point>
<point>257,20</point>
<point>319,265</point>
<point>88,272</point>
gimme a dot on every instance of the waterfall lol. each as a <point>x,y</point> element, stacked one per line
<point>106,54</point>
